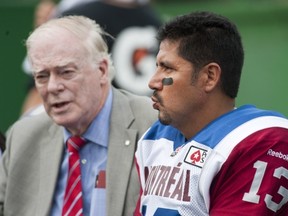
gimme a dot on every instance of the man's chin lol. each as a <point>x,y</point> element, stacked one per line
<point>62,120</point>
<point>164,121</point>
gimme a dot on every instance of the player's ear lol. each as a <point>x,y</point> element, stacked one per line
<point>212,73</point>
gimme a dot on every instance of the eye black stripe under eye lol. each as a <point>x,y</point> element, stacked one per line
<point>167,81</point>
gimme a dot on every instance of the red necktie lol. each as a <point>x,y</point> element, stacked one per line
<point>72,205</point>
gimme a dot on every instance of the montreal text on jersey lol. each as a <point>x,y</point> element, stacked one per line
<point>167,181</point>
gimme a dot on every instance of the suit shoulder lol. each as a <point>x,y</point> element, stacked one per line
<point>32,123</point>
<point>137,100</point>
<point>141,107</point>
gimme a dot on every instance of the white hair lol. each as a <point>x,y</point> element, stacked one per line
<point>86,30</point>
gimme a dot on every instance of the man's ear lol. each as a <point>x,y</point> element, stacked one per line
<point>103,67</point>
<point>213,74</point>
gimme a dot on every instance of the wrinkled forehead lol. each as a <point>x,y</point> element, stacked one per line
<point>51,36</point>
<point>168,48</point>
<point>55,48</point>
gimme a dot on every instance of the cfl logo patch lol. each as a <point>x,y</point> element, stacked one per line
<point>196,156</point>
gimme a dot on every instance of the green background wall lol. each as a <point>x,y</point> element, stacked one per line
<point>262,23</point>
<point>15,24</point>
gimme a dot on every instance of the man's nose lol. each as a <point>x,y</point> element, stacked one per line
<point>55,84</point>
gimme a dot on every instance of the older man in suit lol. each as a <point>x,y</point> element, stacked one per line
<point>71,69</point>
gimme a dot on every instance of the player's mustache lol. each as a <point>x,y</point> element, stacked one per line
<point>157,97</point>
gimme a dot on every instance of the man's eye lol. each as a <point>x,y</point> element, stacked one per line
<point>165,68</point>
<point>41,78</point>
<point>67,74</point>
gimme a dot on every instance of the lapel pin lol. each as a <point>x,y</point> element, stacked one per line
<point>127,142</point>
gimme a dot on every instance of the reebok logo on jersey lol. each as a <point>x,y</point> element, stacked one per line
<point>196,156</point>
<point>278,154</point>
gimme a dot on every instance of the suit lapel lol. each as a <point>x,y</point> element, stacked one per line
<point>120,154</point>
<point>51,157</point>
